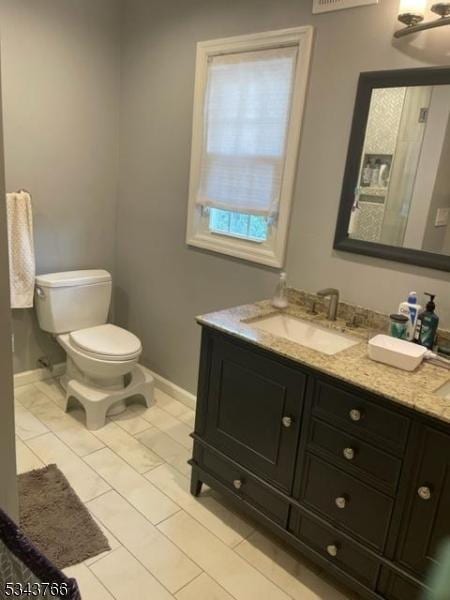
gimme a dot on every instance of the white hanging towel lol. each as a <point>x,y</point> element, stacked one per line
<point>21,249</point>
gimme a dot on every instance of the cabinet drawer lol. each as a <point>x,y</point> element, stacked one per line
<point>247,487</point>
<point>356,456</point>
<point>393,586</point>
<point>340,551</point>
<point>361,417</point>
<point>347,502</point>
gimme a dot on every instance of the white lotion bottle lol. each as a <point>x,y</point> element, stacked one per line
<point>280,299</point>
<point>410,309</point>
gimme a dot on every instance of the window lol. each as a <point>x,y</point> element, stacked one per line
<point>247,117</point>
<point>250,227</point>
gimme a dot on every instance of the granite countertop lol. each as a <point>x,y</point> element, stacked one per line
<point>416,390</point>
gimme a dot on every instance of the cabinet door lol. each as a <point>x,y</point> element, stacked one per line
<point>254,408</point>
<point>428,522</point>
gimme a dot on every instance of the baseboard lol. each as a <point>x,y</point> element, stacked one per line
<point>161,383</point>
<point>27,377</point>
<point>173,390</point>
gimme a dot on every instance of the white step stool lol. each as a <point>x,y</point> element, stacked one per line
<point>97,403</point>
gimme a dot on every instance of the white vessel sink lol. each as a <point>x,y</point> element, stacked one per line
<point>444,391</point>
<point>306,333</point>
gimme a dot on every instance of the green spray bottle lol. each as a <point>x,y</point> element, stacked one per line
<point>427,324</point>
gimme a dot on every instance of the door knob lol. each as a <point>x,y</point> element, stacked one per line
<point>332,550</point>
<point>287,422</point>
<point>341,502</point>
<point>355,415</point>
<point>237,484</point>
<point>348,453</point>
<point>424,492</point>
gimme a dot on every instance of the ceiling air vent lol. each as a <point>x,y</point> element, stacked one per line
<point>321,6</point>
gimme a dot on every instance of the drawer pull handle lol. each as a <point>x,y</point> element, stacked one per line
<point>287,422</point>
<point>237,483</point>
<point>355,415</point>
<point>349,453</point>
<point>341,502</point>
<point>332,550</point>
<point>424,492</point>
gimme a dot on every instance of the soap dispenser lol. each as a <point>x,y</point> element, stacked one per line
<point>280,299</point>
<point>427,324</point>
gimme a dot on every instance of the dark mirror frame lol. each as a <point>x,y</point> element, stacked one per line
<point>368,82</point>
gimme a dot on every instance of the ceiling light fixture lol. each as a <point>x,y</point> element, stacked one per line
<point>412,14</point>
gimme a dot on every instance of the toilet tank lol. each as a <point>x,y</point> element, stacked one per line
<point>72,300</point>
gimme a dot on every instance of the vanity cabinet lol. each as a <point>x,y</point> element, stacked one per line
<point>356,483</point>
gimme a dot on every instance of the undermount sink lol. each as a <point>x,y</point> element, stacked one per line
<point>306,333</point>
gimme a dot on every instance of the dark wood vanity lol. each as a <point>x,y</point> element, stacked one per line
<point>358,484</point>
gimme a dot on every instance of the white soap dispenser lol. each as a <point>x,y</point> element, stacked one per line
<point>280,299</point>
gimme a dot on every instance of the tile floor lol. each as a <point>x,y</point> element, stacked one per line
<point>134,478</point>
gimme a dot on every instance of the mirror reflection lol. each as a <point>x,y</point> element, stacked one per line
<point>402,195</point>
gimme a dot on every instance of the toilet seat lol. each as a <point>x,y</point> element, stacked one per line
<point>107,342</point>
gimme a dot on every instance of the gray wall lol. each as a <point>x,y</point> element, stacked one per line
<point>162,283</point>
<point>8,489</point>
<point>61,69</point>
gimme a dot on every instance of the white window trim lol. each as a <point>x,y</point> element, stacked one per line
<point>272,252</point>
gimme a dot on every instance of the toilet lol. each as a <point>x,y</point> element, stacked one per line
<point>102,371</point>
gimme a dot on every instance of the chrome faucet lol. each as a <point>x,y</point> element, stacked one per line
<point>333,294</point>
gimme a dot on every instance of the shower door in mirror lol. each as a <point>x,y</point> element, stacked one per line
<point>396,196</point>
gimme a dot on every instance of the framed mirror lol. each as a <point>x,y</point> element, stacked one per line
<point>395,201</point>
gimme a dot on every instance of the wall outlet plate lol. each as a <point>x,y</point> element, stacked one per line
<point>442,215</point>
<point>322,6</point>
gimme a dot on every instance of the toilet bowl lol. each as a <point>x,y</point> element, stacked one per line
<point>102,371</point>
<point>102,353</point>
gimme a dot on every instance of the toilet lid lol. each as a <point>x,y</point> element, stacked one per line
<point>107,341</point>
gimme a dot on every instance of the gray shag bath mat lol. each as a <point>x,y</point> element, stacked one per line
<point>55,520</point>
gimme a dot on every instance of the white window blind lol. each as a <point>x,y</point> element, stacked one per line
<point>246,121</point>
